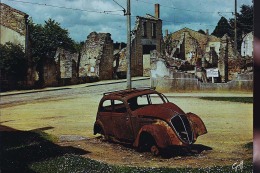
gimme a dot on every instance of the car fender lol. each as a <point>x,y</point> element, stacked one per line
<point>197,124</point>
<point>161,132</point>
<point>98,124</point>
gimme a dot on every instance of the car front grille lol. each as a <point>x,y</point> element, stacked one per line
<point>183,128</point>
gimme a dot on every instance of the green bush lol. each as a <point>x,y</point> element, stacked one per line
<point>13,63</point>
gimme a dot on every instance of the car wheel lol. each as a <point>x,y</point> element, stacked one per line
<point>148,143</point>
<point>103,135</point>
<point>155,150</point>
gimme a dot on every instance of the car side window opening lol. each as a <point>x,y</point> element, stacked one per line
<point>155,99</point>
<point>144,100</point>
<point>106,106</point>
<point>119,106</point>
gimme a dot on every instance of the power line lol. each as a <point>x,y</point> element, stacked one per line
<point>124,10</point>
<point>167,6</point>
<point>112,11</point>
<point>69,8</point>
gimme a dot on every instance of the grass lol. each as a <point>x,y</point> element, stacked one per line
<point>77,164</point>
<point>20,149</point>
<point>230,99</point>
<point>249,146</point>
<point>36,151</point>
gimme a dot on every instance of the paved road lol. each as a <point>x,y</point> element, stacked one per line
<point>68,92</point>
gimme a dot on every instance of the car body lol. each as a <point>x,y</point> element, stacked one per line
<point>146,119</point>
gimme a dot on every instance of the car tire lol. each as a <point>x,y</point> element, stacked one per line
<point>103,135</point>
<point>154,149</point>
<point>148,143</point>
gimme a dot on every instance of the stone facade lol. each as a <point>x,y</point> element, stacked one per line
<point>120,65</point>
<point>48,74</point>
<point>147,36</point>
<point>247,46</point>
<point>13,25</point>
<point>230,61</point>
<point>97,57</point>
<point>67,66</point>
<point>192,46</point>
<point>166,78</point>
<point>235,70</point>
<point>14,29</point>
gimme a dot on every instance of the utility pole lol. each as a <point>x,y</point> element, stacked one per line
<point>128,49</point>
<point>235,39</point>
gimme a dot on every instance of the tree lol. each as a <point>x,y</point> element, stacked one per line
<point>244,22</point>
<point>245,18</point>
<point>244,25</point>
<point>13,63</point>
<point>223,27</point>
<point>45,39</point>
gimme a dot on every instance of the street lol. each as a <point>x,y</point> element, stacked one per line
<point>72,110</point>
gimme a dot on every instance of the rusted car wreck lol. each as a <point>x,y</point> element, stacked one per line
<point>147,120</point>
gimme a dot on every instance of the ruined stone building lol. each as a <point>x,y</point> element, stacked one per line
<point>189,45</point>
<point>13,25</point>
<point>166,79</point>
<point>14,29</point>
<point>231,63</point>
<point>120,64</point>
<point>247,46</point>
<point>60,70</point>
<point>67,66</point>
<point>94,62</point>
<point>146,36</point>
<point>205,51</point>
<point>97,57</point>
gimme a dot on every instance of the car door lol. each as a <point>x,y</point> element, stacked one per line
<point>105,112</point>
<point>122,128</point>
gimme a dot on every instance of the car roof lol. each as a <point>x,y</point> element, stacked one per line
<point>128,93</point>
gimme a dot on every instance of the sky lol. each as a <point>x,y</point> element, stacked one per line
<point>81,17</point>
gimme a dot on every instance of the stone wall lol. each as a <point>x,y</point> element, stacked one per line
<point>49,72</point>
<point>247,46</point>
<point>120,65</point>
<point>12,25</point>
<point>67,66</point>
<point>97,57</point>
<point>147,36</point>
<point>187,44</point>
<point>168,79</point>
<point>230,61</point>
<point>189,83</point>
<point>146,65</point>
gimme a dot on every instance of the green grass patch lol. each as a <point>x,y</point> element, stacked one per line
<point>19,149</point>
<point>78,164</point>
<point>46,136</point>
<point>35,151</point>
<point>249,145</point>
<point>230,99</point>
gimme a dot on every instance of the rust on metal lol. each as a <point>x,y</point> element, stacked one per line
<point>144,117</point>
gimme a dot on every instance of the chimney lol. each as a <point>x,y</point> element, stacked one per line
<point>157,10</point>
<point>166,32</point>
<point>207,31</point>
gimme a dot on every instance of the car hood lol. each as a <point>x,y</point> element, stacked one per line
<point>163,111</point>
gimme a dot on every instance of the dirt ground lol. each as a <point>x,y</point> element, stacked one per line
<point>229,125</point>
